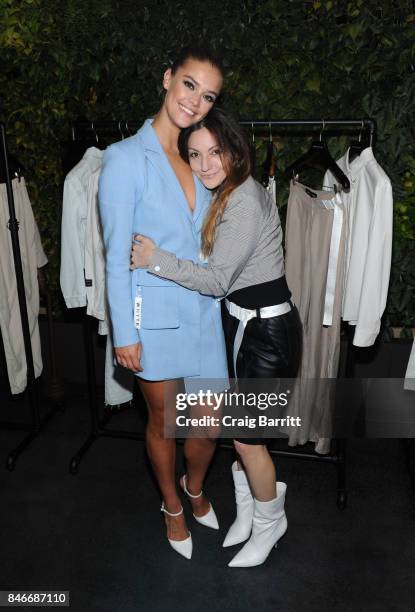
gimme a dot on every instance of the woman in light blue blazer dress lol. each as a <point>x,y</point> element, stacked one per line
<point>163,331</point>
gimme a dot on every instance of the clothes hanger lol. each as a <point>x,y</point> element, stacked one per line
<point>253,148</point>
<point>269,164</point>
<point>99,144</point>
<point>95,133</point>
<point>72,151</point>
<point>16,169</point>
<point>319,156</point>
<point>356,146</point>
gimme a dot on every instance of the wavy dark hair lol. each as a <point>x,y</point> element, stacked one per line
<point>236,159</point>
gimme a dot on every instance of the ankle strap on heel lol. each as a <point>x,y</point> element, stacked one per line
<point>163,509</point>
<point>187,492</point>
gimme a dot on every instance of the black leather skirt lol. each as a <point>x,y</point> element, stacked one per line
<point>270,348</point>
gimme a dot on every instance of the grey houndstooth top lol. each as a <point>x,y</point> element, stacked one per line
<point>247,249</point>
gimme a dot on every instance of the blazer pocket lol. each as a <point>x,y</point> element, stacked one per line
<point>159,307</point>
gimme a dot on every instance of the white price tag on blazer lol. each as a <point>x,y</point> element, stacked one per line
<point>137,311</point>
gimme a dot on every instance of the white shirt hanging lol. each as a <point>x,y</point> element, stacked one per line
<point>82,274</point>
<point>74,220</point>
<point>369,210</point>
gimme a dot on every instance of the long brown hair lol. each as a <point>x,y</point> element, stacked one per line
<point>236,159</point>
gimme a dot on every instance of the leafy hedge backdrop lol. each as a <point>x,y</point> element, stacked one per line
<point>102,59</point>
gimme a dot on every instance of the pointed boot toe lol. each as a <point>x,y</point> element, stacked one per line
<point>269,524</point>
<point>240,530</point>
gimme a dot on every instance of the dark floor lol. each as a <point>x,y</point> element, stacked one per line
<point>100,534</point>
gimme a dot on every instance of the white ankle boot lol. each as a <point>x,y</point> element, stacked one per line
<point>240,529</point>
<point>268,525</point>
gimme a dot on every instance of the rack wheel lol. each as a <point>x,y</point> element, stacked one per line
<point>341,500</point>
<point>11,462</point>
<point>74,467</point>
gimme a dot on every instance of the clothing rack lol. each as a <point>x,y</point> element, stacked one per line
<point>331,127</point>
<point>85,130</point>
<point>37,422</point>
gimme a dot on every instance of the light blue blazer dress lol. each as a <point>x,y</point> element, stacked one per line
<point>181,330</point>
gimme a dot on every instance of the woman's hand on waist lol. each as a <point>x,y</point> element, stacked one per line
<point>141,251</point>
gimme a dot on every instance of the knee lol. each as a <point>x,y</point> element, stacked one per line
<point>198,445</point>
<point>212,435</point>
<point>248,451</point>
<point>155,424</point>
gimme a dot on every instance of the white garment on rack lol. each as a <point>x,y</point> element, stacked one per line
<point>119,382</point>
<point>82,272</point>
<point>33,257</point>
<point>369,210</point>
<point>409,383</point>
<point>272,188</point>
<point>74,220</point>
<point>94,254</point>
<point>315,232</point>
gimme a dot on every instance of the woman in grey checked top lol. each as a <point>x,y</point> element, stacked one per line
<point>242,243</point>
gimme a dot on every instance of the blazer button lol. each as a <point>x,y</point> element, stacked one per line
<point>157,268</point>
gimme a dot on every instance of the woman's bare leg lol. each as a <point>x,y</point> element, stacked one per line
<point>199,449</point>
<point>162,455</point>
<point>198,453</point>
<point>259,468</point>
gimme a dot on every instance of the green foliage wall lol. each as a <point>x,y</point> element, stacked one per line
<point>60,60</point>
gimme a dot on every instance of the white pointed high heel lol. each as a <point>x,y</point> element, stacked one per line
<point>240,530</point>
<point>183,547</point>
<point>209,519</point>
<point>268,525</point>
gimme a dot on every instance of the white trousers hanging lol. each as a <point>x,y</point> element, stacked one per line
<point>33,257</point>
<point>314,239</point>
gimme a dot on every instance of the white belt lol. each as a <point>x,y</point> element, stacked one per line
<point>333,257</point>
<point>245,314</point>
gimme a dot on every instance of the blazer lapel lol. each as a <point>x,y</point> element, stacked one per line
<point>156,155</point>
<point>202,203</point>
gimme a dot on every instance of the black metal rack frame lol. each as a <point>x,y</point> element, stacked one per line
<point>84,130</point>
<point>331,127</point>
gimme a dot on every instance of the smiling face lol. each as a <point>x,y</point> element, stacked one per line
<point>205,158</point>
<point>191,91</point>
